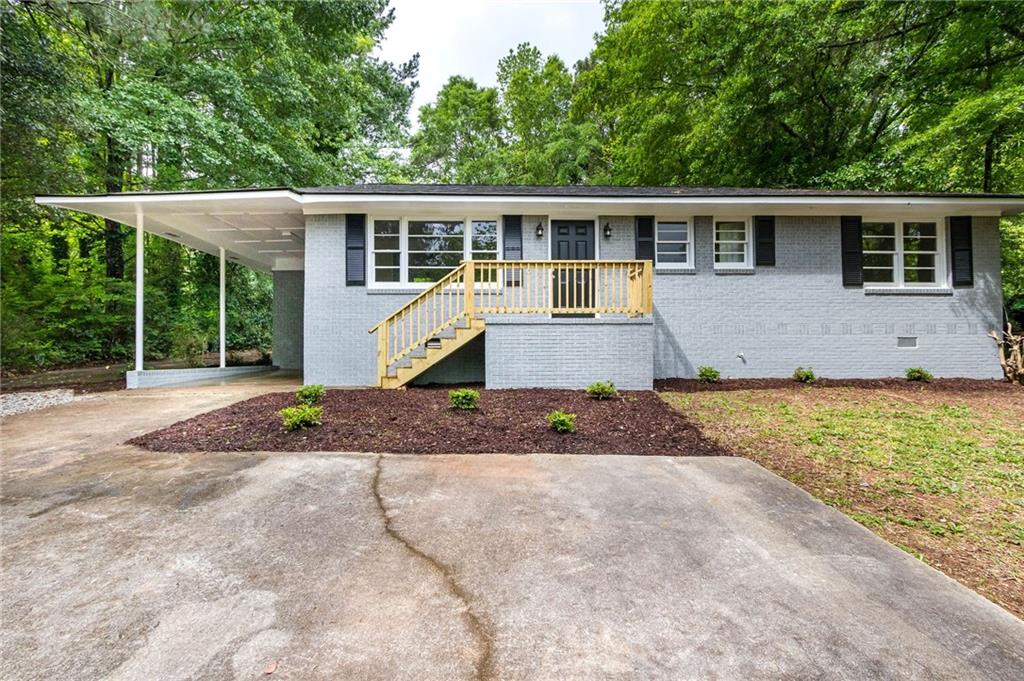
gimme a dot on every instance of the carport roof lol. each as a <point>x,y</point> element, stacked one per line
<point>264,228</point>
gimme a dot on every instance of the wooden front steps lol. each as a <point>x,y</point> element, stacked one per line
<point>434,350</point>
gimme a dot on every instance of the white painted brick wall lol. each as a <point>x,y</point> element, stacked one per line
<point>287,319</point>
<point>796,313</point>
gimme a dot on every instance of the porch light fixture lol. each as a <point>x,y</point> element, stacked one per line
<point>607,230</point>
<point>540,230</point>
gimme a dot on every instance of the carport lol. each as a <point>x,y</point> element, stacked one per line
<point>262,230</point>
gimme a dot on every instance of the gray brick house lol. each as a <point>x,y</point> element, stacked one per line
<point>560,286</point>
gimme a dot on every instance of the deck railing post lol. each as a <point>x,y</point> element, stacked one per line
<point>649,287</point>
<point>468,281</point>
<point>382,352</point>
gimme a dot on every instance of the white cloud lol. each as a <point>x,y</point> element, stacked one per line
<point>467,37</point>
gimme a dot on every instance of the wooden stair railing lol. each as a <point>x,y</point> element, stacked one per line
<point>447,313</point>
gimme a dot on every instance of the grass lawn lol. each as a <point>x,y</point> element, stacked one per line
<point>937,473</point>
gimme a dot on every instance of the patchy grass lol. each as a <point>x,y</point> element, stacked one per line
<point>939,474</point>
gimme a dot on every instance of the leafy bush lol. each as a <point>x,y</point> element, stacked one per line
<point>804,375</point>
<point>310,394</point>
<point>602,390</point>
<point>188,343</point>
<point>465,399</point>
<point>708,374</point>
<point>919,374</point>
<point>562,422</point>
<point>301,416</point>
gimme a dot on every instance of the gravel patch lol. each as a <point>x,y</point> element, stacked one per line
<point>17,403</point>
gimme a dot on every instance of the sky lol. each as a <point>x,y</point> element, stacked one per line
<point>468,37</point>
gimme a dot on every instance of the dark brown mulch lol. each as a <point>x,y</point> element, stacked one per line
<point>419,421</point>
<point>939,385</point>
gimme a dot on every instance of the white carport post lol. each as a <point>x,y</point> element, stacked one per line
<point>222,309</point>
<point>140,269</point>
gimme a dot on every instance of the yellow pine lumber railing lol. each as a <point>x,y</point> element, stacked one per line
<point>493,287</point>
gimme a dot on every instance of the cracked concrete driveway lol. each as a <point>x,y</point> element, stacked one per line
<point>125,564</point>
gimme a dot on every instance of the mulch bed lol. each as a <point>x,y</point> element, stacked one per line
<point>939,385</point>
<point>420,421</point>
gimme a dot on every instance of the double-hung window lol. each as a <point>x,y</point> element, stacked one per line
<point>732,244</point>
<point>903,253</point>
<point>672,244</point>
<point>421,251</point>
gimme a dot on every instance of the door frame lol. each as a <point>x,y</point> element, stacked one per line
<point>597,235</point>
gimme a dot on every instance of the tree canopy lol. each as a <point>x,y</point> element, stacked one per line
<point>115,95</point>
<point>855,94</point>
<point>111,96</point>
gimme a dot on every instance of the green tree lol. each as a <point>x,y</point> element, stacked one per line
<point>460,137</point>
<point>110,95</point>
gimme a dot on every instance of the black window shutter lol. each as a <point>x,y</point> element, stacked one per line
<point>355,249</point>
<point>960,246</point>
<point>764,239</point>
<point>513,240</point>
<point>853,250</point>
<point>644,238</point>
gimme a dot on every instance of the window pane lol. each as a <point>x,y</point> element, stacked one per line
<point>919,260</point>
<point>387,259</point>
<point>387,274</point>
<point>672,231</point>
<point>879,243</point>
<point>729,257</point>
<point>671,249</point>
<point>878,229</point>
<point>385,227</point>
<point>435,228</point>
<point>385,243</point>
<point>730,248</point>
<point>919,276</point>
<point>485,255</point>
<point>919,229</point>
<point>435,259</point>
<point>485,235</point>
<point>878,260</point>
<point>878,276</point>
<point>436,243</point>
<point>427,275</point>
<point>922,244</point>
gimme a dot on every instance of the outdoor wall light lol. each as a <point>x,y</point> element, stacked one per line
<point>540,230</point>
<point>607,230</point>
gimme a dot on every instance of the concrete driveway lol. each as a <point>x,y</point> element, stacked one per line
<point>123,564</point>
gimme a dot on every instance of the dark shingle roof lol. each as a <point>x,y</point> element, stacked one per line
<point>610,191</point>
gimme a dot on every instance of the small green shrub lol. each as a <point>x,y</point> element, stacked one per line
<point>602,390</point>
<point>562,422</point>
<point>310,394</point>
<point>188,343</point>
<point>465,399</point>
<point>804,375</point>
<point>919,374</point>
<point>301,416</point>
<point>708,374</point>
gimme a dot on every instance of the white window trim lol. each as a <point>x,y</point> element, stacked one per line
<point>941,271</point>
<point>748,232</point>
<point>403,241</point>
<point>688,265</point>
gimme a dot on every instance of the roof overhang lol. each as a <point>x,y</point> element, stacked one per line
<point>265,228</point>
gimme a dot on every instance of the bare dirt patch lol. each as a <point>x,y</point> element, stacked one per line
<point>420,421</point>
